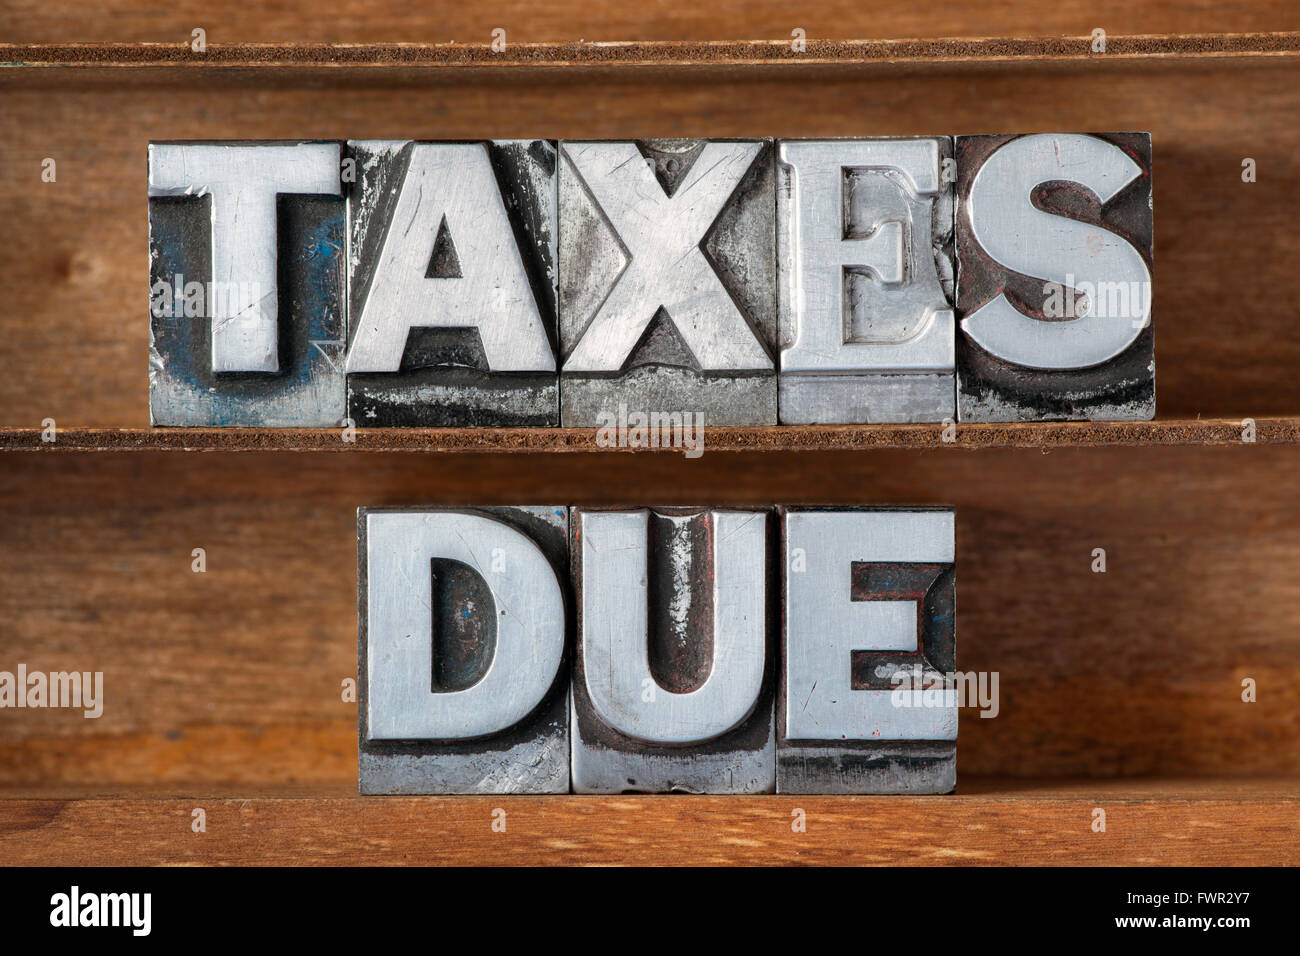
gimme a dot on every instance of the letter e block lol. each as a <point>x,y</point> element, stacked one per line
<point>867,699</point>
<point>864,239</point>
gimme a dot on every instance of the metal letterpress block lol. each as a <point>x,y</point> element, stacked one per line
<point>864,243</point>
<point>667,280</point>
<point>462,650</point>
<point>246,284</point>
<point>1054,252</point>
<point>866,701</point>
<point>673,681</point>
<point>452,283</point>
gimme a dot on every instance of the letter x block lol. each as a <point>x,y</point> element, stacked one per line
<point>462,650</point>
<point>452,287</point>
<point>667,280</point>
<point>1054,252</point>
<point>867,700</point>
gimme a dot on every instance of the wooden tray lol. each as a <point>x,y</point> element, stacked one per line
<point>1120,690</point>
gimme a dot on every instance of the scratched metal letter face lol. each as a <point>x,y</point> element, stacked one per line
<point>246,284</point>
<point>673,682</point>
<point>452,290</point>
<point>667,281</point>
<point>867,700</point>
<point>864,243</point>
<point>461,656</point>
<point>1054,252</point>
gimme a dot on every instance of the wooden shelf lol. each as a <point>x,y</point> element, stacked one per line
<point>1161,822</point>
<point>924,52</point>
<point>677,20</point>
<point>232,677</point>
<point>774,438</point>
<point>75,324</point>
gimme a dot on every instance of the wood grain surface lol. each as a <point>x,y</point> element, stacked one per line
<point>681,20</point>
<point>711,438</point>
<point>223,689</point>
<point>234,676</point>
<point>1161,823</point>
<point>431,58</point>
<point>73,320</point>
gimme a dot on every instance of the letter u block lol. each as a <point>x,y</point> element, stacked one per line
<point>673,684</point>
<point>462,650</point>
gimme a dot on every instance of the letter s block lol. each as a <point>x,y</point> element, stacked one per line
<point>462,643</point>
<point>1054,253</point>
<point>867,700</point>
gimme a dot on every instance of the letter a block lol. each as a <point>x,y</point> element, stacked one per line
<point>673,680</point>
<point>452,290</point>
<point>1054,252</point>
<point>667,280</point>
<point>462,650</point>
<point>867,700</point>
<point>246,284</point>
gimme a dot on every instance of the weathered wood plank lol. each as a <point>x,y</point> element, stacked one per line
<point>1158,823</point>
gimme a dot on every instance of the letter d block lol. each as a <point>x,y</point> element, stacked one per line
<point>461,652</point>
<point>867,702</point>
<point>673,680</point>
<point>452,290</point>
<point>1054,248</point>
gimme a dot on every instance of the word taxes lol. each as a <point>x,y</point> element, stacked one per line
<point>989,278</point>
